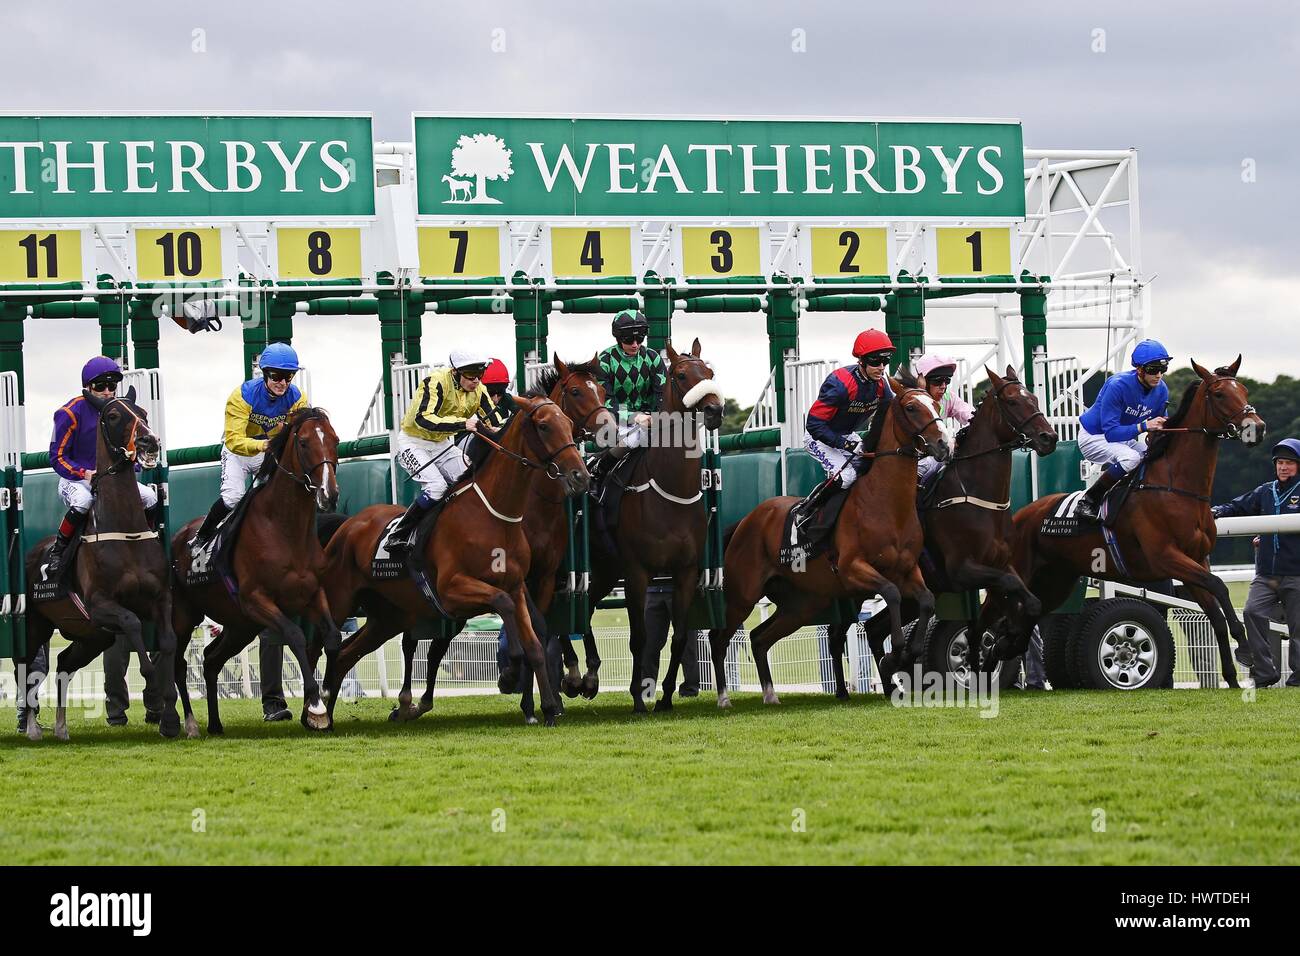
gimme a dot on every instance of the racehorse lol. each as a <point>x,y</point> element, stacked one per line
<point>121,575</point>
<point>661,522</point>
<point>577,390</point>
<point>277,563</point>
<point>1167,529</point>
<point>966,515</point>
<point>876,545</point>
<point>479,553</point>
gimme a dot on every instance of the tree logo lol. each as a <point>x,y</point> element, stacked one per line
<point>479,157</point>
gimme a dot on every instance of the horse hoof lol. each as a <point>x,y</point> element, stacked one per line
<point>395,715</point>
<point>590,686</point>
<point>61,733</point>
<point>841,695</point>
<point>550,720</point>
<point>169,726</point>
<point>638,707</point>
<point>724,701</point>
<point>1243,657</point>
<point>191,728</point>
<point>663,704</point>
<point>215,730</point>
<point>508,681</point>
<point>571,687</point>
<point>319,721</point>
<point>530,720</point>
<point>769,697</point>
<point>34,731</point>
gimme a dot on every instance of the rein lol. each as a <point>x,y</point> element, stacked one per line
<point>124,459</point>
<point>305,478</point>
<point>547,465</point>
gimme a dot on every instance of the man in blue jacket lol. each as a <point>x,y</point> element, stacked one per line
<point>1277,565</point>
<point>1127,406</point>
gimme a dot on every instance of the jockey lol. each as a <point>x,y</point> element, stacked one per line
<point>72,454</point>
<point>496,379</point>
<point>255,412</point>
<point>449,403</point>
<point>934,373</point>
<point>846,402</point>
<point>634,377</point>
<point>1127,406</point>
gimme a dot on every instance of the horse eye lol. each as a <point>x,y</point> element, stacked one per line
<point>574,391</point>
<point>681,376</point>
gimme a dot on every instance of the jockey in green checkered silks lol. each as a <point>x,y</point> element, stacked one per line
<point>634,377</point>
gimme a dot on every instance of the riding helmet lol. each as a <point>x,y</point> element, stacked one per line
<point>468,358</point>
<point>872,340</point>
<point>1287,448</point>
<point>496,373</point>
<point>99,367</point>
<point>279,356</point>
<point>1149,350</point>
<point>629,321</point>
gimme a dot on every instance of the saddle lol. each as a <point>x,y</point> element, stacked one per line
<point>927,490</point>
<point>1065,522</point>
<point>607,494</point>
<point>213,560</point>
<point>809,524</point>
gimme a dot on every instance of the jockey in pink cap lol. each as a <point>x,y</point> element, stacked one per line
<point>935,372</point>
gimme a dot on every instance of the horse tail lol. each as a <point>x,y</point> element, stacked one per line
<point>327,525</point>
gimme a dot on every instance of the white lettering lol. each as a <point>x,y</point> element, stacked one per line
<point>855,171</point>
<point>710,164</point>
<point>234,164</point>
<point>290,166</point>
<point>812,169</point>
<point>134,164</point>
<point>20,165</point>
<point>666,162</point>
<point>950,167</point>
<point>747,156</point>
<point>989,168</point>
<point>617,169</point>
<point>96,164</point>
<point>336,165</point>
<point>902,166</point>
<point>180,169</point>
<point>549,176</point>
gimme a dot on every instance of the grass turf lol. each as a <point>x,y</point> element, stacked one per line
<point>1182,777</point>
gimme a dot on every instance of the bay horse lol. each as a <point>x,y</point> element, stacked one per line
<point>120,574</point>
<point>577,389</point>
<point>966,517</point>
<point>1166,528</point>
<point>876,546</point>
<point>661,523</point>
<point>277,562</point>
<point>479,552</point>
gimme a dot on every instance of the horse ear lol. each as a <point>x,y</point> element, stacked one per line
<point>670,351</point>
<point>1011,372</point>
<point>1200,371</point>
<point>695,348</point>
<point>996,379</point>
<point>1232,369</point>
<point>906,377</point>
<point>559,364</point>
<point>896,386</point>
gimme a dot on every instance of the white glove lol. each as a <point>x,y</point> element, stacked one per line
<point>852,441</point>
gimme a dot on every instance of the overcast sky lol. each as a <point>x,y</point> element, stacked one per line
<point>1198,88</point>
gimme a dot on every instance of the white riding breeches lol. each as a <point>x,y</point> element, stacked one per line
<point>832,459</point>
<point>235,472</point>
<point>435,465</point>
<point>1095,448</point>
<point>632,435</point>
<point>76,495</point>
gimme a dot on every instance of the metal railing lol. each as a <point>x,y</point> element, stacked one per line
<point>763,414</point>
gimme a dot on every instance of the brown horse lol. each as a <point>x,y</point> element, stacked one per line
<point>661,522</point>
<point>120,574</point>
<point>1166,528</point>
<point>877,542</point>
<point>577,390</point>
<point>967,517</point>
<point>277,561</point>
<point>479,553</point>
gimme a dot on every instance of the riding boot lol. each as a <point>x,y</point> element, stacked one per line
<point>70,526</point>
<point>1090,504</point>
<point>403,536</point>
<point>153,516</point>
<point>218,511</point>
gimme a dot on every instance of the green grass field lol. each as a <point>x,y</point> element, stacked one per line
<point>1182,777</point>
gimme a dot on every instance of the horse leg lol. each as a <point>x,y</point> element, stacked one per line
<point>259,606</point>
<point>72,659</point>
<point>796,611</point>
<point>635,583</point>
<point>330,638</point>
<point>836,645</point>
<point>437,651</point>
<point>914,589</point>
<point>1180,566</point>
<point>741,591</point>
<point>598,590</point>
<point>109,616</point>
<point>1210,605</point>
<point>184,621</point>
<point>233,639</point>
<point>551,656</point>
<point>860,577</point>
<point>169,724</point>
<point>684,583</point>
<point>410,643</point>
<point>39,632</point>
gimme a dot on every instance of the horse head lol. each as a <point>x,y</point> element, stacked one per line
<point>125,428</point>
<point>916,419</point>
<point>1020,413</point>
<point>549,432</point>
<point>1226,404</point>
<point>691,385</point>
<point>309,452</point>
<point>581,396</point>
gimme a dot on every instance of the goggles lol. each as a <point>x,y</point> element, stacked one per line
<point>877,359</point>
<point>1156,368</point>
<point>472,371</point>
<point>105,383</point>
<point>938,379</point>
<point>630,337</point>
<point>279,375</point>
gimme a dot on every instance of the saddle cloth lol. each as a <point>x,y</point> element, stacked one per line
<point>809,524</point>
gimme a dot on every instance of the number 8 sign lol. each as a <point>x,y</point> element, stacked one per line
<point>324,252</point>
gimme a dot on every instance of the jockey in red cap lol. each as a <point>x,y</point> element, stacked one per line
<point>846,402</point>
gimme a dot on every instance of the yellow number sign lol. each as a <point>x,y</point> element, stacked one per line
<point>453,251</point>
<point>318,253</point>
<point>589,252</point>
<point>28,255</point>
<point>164,254</point>
<point>720,251</point>
<point>970,251</point>
<point>845,251</point>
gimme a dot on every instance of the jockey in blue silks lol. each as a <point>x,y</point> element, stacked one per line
<point>1127,406</point>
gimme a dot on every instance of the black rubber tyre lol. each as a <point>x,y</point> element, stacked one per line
<point>945,653</point>
<point>1057,632</point>
<point>1123,644</point>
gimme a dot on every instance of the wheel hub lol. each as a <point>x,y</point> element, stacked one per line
<point>1127,655</point>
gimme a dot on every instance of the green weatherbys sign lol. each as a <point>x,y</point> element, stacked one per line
<point>507,167</point>
<point>162,167</point>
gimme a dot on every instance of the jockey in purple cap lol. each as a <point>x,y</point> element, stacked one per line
<point>72,455</point>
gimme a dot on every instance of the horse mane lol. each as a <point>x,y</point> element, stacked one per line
<point>275,450</point>
<point>988,398</point>
<point>876,427</point>
<point>549,377</point>
<point>1158,444</point>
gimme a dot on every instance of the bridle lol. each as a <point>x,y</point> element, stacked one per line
<point>303,479</point>
<point>908,448</point>
<point>672,379</point>
<point>547,464</point>
<point>580,428</point>
<point>1022,439</point>
<point>1231,429</point>
<point>124,455</point>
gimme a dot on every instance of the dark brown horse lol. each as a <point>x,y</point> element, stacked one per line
<point>577,390</point>
<point>479,555</point>
<point>1165,529</point>
<point>967,515</point>
<point>120,575</point>
<point>661,523</point>
<point>277,561</point>
<point>877,543</point>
